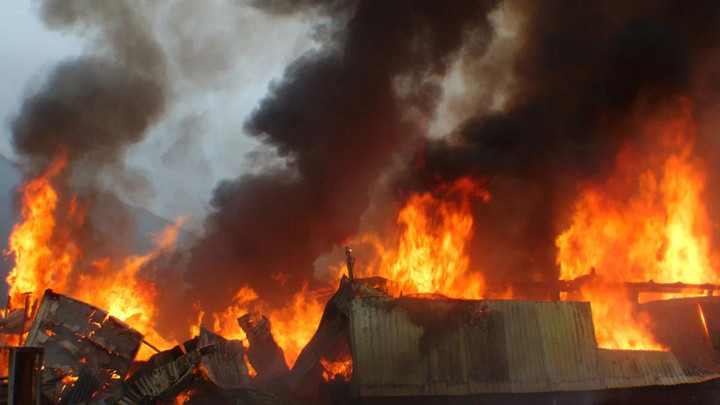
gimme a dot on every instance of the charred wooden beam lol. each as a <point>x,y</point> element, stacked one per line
<point>633,289</point>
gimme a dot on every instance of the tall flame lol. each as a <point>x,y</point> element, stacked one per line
<point>125,294</point>
<point>647,221</point>
<point>431,254</point>
<point>41,259</point>
<point>430,257</point>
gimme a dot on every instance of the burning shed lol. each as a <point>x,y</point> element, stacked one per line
<point>441,347</point>
<point>429,348</point>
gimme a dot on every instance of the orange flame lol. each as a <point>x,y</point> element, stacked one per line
<point>333,369</point>
<point>41,260</point>
<point>647,221</point>
<point>704,322</point>
<point>125,294</point>
<point>430,258</point>
<point>184,397</point>
<point>292,325</point>
<point>431,252</point>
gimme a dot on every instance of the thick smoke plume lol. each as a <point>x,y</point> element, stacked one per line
<point>93,107</point>
<point>89,108</point>
<point>338,115</point>
<point>344,117</point>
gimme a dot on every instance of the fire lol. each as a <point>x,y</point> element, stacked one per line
<point>431,254</point>
<point>46,254</point>
<point>184,397</point>
<point>336,368</point>
<point>41,260</point>
<point>646,222</point>
<point>292,325</point>
<point>430,258</point>
<point>704,322</point>
<point>125,294</point>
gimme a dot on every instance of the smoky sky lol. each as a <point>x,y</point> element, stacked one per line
<point>336,117</point>
<point>90,108</point>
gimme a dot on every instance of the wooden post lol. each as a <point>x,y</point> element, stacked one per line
<point>350,263</point>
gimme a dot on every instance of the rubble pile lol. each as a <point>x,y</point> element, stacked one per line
<point>89,358</point>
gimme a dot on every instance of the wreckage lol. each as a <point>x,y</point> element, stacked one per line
<point>369,347</point>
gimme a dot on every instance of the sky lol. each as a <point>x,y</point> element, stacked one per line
<point>220,67</point>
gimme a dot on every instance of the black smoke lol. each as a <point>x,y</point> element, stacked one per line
<point>338,119</point>
<point>93,107</point>
<point>89,109</point>
<point>584,74</point>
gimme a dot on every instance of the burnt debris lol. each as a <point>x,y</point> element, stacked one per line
<point>373,347</point>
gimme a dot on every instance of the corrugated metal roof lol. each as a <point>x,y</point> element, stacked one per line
<point>417,347</point>
<point>632,368</point>
<point>225,366</point>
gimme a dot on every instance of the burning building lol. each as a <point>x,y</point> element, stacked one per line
<point>528,188</point>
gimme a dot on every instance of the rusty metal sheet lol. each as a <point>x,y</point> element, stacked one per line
<point>418,347</point>
<point>77,336</point>
<point>639,368</point>
<point>225,366</point>
<point>385,347</point>
<point>161,383</point>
